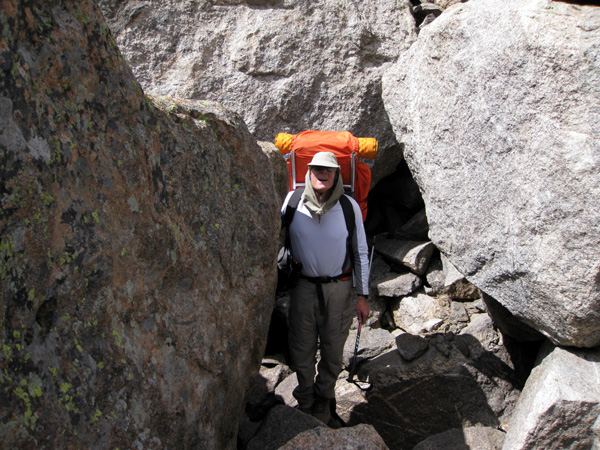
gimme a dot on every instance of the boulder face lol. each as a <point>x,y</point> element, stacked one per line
<point>498,107</point>
<point>138,247</point>
<point>560,405</point>
<point>284,65</point>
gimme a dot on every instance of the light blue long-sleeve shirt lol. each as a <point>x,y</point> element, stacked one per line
<point>319,243</point>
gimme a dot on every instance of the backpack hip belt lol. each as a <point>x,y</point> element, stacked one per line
<point>318,281</point>
<point>341,277</point>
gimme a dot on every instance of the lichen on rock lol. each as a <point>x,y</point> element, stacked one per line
<point>137,252</point>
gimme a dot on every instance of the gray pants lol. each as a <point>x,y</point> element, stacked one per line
<point>308,326</point>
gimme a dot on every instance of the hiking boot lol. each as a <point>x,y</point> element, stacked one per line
<point>336,423</point>
<point>306,410</point>
<point>322,410</point>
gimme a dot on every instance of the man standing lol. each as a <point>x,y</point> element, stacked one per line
<point>320,304</point>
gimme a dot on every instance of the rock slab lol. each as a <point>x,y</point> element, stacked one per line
<point>283,65</point>
<point>469,438</point>
<point>560,403</point>
<point>360,436</point>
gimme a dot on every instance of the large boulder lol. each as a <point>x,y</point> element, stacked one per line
<point>470,438</point>
<point>282,424</point>
<point>138,246</point>
<point>560,404</point>
<point>284,65</point>
<point>498,105</point>
<point>362,436</point>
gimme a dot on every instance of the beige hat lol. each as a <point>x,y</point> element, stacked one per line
<point>324,159</point>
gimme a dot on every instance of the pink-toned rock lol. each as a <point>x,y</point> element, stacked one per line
<point>360,436</point>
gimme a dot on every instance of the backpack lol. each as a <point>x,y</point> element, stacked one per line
<point>299,150</point>
<point>288,269</point>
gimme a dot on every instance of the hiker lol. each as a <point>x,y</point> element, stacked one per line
<point>320,304</point>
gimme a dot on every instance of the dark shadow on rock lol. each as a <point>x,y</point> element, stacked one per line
<point>260,399</point>
<point>522,356</point>
<point>508,323</point>
<point>579,2</point>
<point>277,338</point>
<point>281,424</point>
<point>393,202</point>
<point>410,401</point>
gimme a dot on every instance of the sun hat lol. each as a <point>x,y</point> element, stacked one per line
<point>324,159</point>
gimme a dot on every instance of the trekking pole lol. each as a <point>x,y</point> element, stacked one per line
<point>363,385</point>
<point>353,365</point>
<point>371,259</point>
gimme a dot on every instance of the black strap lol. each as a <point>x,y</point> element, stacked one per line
<point>321,298</point>
<point>318,281</point>
<point>345,275</point>
<point>288,215</point>
<point>350,225</point>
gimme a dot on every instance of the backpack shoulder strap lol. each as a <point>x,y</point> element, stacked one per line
<point>288,215</point>
<point>348,214</point>
<point>291,207</point>
<point>350,225</point>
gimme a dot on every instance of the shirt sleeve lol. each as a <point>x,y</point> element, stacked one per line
<point>285,202</point>
<point>361,252</point>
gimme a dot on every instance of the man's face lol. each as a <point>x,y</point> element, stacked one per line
<point>322,178</point>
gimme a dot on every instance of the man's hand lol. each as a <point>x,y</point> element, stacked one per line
<point>362,309</point>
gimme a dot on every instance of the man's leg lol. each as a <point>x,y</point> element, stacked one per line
<point>333,332</point>
<point>302,339</point>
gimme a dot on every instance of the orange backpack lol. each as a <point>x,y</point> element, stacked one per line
<point>299,150</point>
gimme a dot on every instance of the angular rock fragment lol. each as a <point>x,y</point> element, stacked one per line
<point>399,285</point>
<point>411,254</point>
<point>560,403</point>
